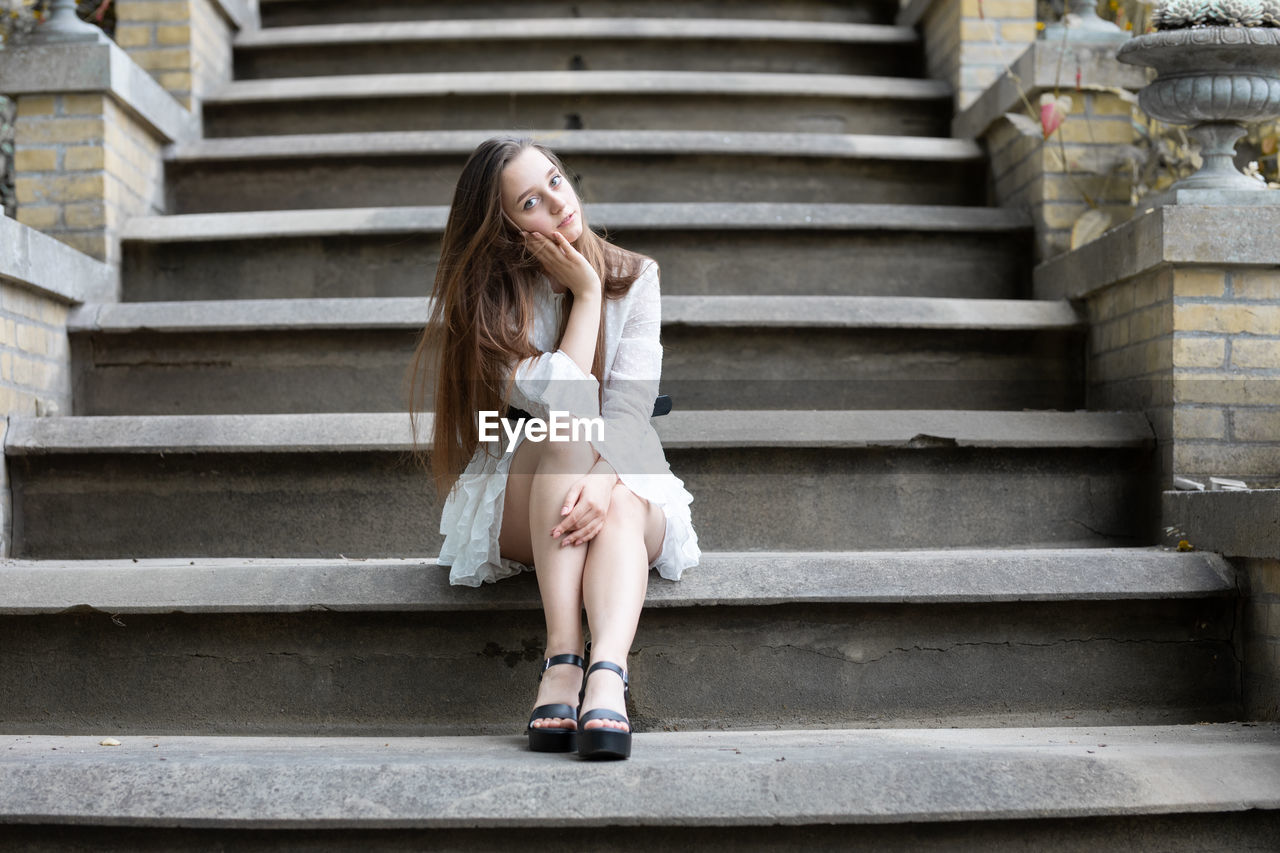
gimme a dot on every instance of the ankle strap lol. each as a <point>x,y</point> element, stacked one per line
<point>612,667</point>
<point>556,660</point>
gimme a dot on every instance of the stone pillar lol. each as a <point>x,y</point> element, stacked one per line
<point>1051,178</point>
<point>1184,311</point>
<point>969,42</point>
<point>89,141</point>
<point>184,44</point>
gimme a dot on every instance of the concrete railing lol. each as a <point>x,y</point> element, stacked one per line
<point>40,280</point>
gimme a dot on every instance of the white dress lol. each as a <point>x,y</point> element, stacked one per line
<point>472,516</point>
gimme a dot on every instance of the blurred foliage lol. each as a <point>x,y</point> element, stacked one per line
<point>1163,153</point>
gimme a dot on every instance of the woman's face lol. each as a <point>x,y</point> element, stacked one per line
<point>538,198</point>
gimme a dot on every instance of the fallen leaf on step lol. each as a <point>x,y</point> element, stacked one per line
<point>109,742</point>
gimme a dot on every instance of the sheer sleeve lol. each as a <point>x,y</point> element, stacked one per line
<point>629,443</point>
<point>553,382</point>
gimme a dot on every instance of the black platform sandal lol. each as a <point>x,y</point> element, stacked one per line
<point>555,739</point>
<point>605,742</point>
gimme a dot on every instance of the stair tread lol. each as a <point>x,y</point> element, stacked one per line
<point>349,432</point>
<point>410,312</point>
<point>382,86</point>
<point>266,225</point>
<point>515,29</point>
<point>745,578</point>
<point>687,778</point>
<point>569,142</point>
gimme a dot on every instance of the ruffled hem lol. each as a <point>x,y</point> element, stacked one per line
<point>472,521</point>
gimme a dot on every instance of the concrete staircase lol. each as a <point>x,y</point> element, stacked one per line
<point>908,525</point>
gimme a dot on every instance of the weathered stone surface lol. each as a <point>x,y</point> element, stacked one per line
<point>349,355</point>
<point>41,69</point>
<point>688,778</point>
<point>259,585</point>
<point>592,43</point>
<point>286,13</point>
<point>1238,524</point>
<point>601,100</point>
<point>415,168</point>
<point>37,260</point>
<point>1205,235</point>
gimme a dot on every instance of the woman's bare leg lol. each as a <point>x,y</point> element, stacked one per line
<point>541,474</point>
<point>614,582</point>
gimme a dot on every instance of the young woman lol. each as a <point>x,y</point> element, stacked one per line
<point>533,311</point>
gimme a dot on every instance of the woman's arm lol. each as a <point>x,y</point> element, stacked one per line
<point>566,265</point>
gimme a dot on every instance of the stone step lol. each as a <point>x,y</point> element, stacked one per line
<point>288,13</point>
<point>776,639</point>
<point>720,352</point>
<point>329,484</point>
<point>578,44</point>
<point>704,249</point>
<point>422,167</point>
<point>1141,789</point>
<point>572,100</point>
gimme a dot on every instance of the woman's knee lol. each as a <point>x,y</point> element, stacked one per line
<point>626,506</point>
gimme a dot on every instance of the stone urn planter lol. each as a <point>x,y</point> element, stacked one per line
<point>1214,79</point>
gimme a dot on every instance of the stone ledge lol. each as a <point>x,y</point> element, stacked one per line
<point>1236,524</point>
<point>752,578</point>
<point>1038,70</point>
<point>343,87</point>
<point>1174,234</point>
<point>243,14</point>
<point>50,266</point>
<point>271,225</point>
<point>685,778</point>
<point>517,29</point>
<point>58,68</point>
<point>621,143</point>
<point>389,432</point>
<point>842,312</point>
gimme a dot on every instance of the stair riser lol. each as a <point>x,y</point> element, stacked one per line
<point>617,111</point>
<point>694,262</point>
<point>749,368</point>
<point>1184,833</point>
<point>385,181</point>
<point>568,54</point>
<point>378,504</point>
<point>343,12</point>
<point>787,666</point>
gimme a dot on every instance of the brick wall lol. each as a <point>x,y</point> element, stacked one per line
<point>34,354</point>
<point>84,167</point>
<point>1198,349</point>
<point>970,42</point>
<point>184,44</point>
<point>1052,178</point>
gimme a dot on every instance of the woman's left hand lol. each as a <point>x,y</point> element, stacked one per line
<point>586,505</point>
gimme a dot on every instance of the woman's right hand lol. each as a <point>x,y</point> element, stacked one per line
<point>564,264</point>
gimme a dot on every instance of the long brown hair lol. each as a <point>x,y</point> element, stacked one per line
<point>482,308</point>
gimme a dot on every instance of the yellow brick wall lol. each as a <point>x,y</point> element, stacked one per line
<point>1198,350</point>
<point>970,42</point>
<point>1050,178</point>
<point>86,166</point>
<point>34,353</point>
<point>184,44</point>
